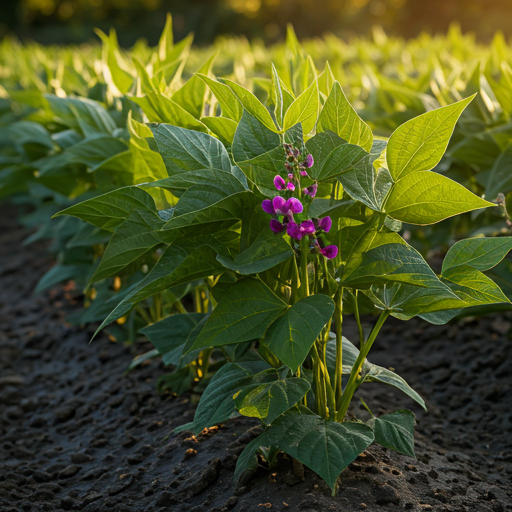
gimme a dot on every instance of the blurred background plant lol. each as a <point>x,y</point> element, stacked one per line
<point>72,21</point>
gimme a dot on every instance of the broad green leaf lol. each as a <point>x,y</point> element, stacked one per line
<point>227,99</point>
<point>82,114</point>
<point>170,335</point>
<point>267,251</point>
<point>176,266</point>
<point>247,461</point>
<point>392,262</point>
<point>325,447</point>
<point>270,400</point>
<point>425,197</point>
<point>243,314</point>
<point>211,219</point>
<point>134,238</point>
<point>109,210</point>
<point>375,373</point>
<point>472,286</point>
<point>419,144</point>
<point>253,139</point>
<point>304,107</point>
<point>180,182</point>
<point>291,336</point>
<point>217,404</point>
<point>26,132</point>
<point>479,253</point>
<point>60,273</point>
<point>160,109</point>
<point>252,105</point>
<point>333,156</point>
<point>339,116</point>
<point>223,127</point>
<point>395,431</point>
<point>187,150</point>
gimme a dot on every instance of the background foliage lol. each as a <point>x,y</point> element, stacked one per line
<point>72,21</point>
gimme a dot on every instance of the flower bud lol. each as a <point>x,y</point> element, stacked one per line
<point>303,173</point>
<point>311,190</point>
<point>330,252</point>
<point>291,176</point>
<point>325,224</point>
<point>267,207</point>
<point>279,183</point>
<point>290,186</point>
<point>308,161</point>
<point>276,226</point>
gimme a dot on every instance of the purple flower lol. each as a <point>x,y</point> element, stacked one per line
<point>303,173</point>
<point>276,226</point>
<point>293,205</point>
<point>290,176</point>
<point>290,186</point>
<point>307,227</point>
<point>309,161</point>
<point>311,190</point>
<point>325,224</point>
<point>293,230</point>
<point>330,252</point>
<point>278,204</point>
<point>267,206</point>
<point>279,183</point>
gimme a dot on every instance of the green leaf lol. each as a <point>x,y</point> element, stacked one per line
<point>217,404</point>
<point>267,251</point>
<point>304,107</point>
<point>170,335</point>
<point>425,197</point>
<point>223,127</point>
<point>134,238</point>
<point>292,335</point>
<point>191,95</point>
<point>325,447</point>
<point>391,262</point>
<point>227,99</point>
<point>243,314</point>
<point>252,104</point>
<point>109,210</point>
<point>270,400</point>
<point>471,286</point>
<point>479,253</point>
<point>333,156</point>
<point>160,109</point>
<point>187,150</point>
<point>499,178</point>
<point>339,116</point>
<point>176,266</point>
<point>395,431</point>
<point>419,144</point>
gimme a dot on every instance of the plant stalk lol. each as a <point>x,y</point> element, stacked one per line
<point>338,316</point>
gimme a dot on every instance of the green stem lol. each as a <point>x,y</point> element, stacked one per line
<point>295,282</point>
<point>304,253</point>
<point>338,317</point>
<point>320,398</point>
<point>358,320</point>
<point>180,307</point>
<point>143,314</point>
<point>204,358</point>
<point>353,383</point>
<point>197,300</point>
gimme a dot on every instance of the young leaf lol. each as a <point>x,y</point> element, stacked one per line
<point>304,107</point>
<point>243,314</point>
<point>269,400</point>
<point>291,336</point>
<point>425,197</point>
<point>479,253</point>
<point>419,144</point>
<point>227,99</point>
<point>252,105</point>
<point>395,431</point>
<point>223,127</point>
<point>325,447</point>
<point>339,116</point>
<point>109,210</point>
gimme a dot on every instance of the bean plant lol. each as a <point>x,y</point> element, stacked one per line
<point>290,226</point>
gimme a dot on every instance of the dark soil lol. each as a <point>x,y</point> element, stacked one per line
<point>77,433</point>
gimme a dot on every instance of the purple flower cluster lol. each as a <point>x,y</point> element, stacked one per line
<point>283,210</point>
